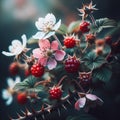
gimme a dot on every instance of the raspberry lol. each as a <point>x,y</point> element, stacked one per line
<point>55,92</point>
<point>37,70</point>
<point>27,72</point>
<point>21,98</point>
<point>99,42</point>
<point>72,64</point>
<point>84,27</point>
<point>98,50</point>
<point>69,42</point>
<point>108,40</point>
<point>14,68</point>
<point>85,78</point>
<point>90,38</point>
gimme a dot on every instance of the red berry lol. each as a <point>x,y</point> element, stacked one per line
<point>85,78</point>
<point>14,68</point>
<point>108,39</point>
<point>55,93</point>
<point>37,70</point>
<point>69,42</point>
<point>90,38</point>
<point>100,42</point>
<point>84,27</point>
<point>72,64</point>
<point>27,72</point>
<point>21,98</point>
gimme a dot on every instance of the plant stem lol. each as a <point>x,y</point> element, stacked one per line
<point>60,45</point>
<point>61,80</point>
<point>79,86</point>
<point>93,20</point>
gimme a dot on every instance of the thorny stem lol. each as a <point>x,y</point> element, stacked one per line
<point>79,86</point>
<point>61,80</point>
<point>58,41</point>
<point>83,51</point>
<point>93,20</point>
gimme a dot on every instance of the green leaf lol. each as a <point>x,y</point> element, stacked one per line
<point>26,84</point>
<point>103,23</point>
<point>92,61</point>
<point>103,73</point>
<point>63,29</point>
<point>81,117</point>
<point>72,26</point>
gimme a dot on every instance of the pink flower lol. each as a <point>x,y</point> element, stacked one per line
<point>48,53</point>
<point>80,103</point>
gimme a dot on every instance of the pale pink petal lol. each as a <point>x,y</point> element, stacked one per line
<point>44,44</point>
<point>77,105</point>
<point>51,64</point>
<point>91,97</point>
<point>37,53</point>
<point>59,55</point>
<point>43,61</point>
<point>54,45</point>
<point>80,103</point>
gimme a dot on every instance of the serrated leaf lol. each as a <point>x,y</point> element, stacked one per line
<point>73,26</point>
<point>103,23</point>
<point>92,61</point>
<point>26,84</point>
<point>103,73</point>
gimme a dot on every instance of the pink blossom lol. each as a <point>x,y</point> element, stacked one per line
<point>81,102</point>
<point>48,53</point>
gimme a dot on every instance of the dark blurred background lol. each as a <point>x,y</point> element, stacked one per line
<point>17,17</point>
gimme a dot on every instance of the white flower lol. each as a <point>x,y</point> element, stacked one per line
<point>47,26</point>
<point>16,47</point>
<point>7,94</point>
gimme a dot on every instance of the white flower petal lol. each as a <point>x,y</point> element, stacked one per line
<point>10,82</point>
<point>40,23</point>
<point>24,40</point>
<point>7,53</point>
<point>9,101</point>
<point>17,79</point>
<point>57,25</point>
<point>50,18</point>
<point>16,43</point>
<point>5,94</point>
<point>49,35</point>
<point>51,64</point>
<point>10,48</point>
<point>91,97</point>
<point>39,35</point>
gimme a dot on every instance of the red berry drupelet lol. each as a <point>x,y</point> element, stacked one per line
<point>37,70</point>
<point>55,92</point>
<point>72,64</point>
<point>22,98</point>
<point>84,27</point>
<point>69,42</point>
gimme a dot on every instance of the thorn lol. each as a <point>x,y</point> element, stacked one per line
<point>49,110</point>
<point>64,107</point>
<point>69,102</point>
<point>19,116</point>
<point>42,108</point>
<point>27,112</point>
<point>35,118</point>
<point>58,112</point>
<point>43,117</point>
